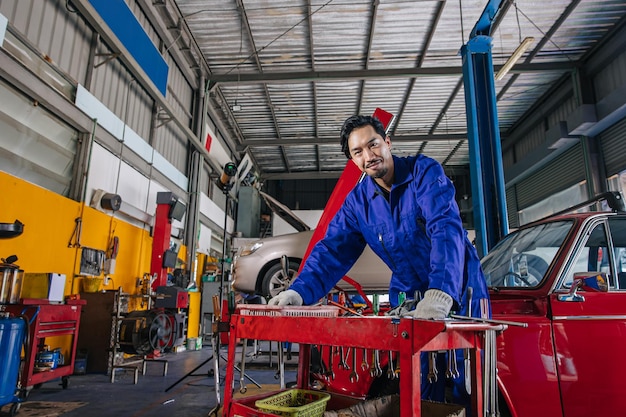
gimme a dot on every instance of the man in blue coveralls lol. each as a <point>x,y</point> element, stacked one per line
<point>406,211</point>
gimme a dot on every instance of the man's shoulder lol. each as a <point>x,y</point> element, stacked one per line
<point>414,162</point>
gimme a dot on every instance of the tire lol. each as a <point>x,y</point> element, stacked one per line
<point>273,280</point>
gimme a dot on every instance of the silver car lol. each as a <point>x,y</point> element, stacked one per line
<point>257,265</point>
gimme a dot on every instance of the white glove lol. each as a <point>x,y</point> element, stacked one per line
<point>286,298</point>
<point>436,304</point>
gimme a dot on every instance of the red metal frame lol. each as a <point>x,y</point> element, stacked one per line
<point>160,243</point>
<point>406,337</point>
<point>47,320</point>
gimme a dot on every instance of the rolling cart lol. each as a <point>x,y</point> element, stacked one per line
<point>405,337</point>
<point>47,320</point>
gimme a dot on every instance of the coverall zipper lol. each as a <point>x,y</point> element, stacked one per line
<point>382,243</point>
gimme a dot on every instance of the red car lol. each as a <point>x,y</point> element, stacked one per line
<point>567,361</point>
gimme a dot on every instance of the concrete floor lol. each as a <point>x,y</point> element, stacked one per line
<point>194,395</point>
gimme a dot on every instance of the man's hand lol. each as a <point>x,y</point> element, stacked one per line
<point>286,298</point>
<point>435,305</point>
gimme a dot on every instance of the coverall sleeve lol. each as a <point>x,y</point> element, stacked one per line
<point>443,225</point>
<point>331,257</point>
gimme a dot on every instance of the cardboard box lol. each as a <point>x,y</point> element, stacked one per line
<point>46,285</point>
<point>389,406</point>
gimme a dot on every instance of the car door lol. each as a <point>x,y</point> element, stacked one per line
<point>589,332</point>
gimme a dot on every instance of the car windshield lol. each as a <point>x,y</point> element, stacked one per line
<point>522,258</point>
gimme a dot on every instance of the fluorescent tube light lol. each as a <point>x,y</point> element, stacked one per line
<point>517,54</point>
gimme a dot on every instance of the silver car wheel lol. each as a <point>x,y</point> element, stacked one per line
<point>275,280</point>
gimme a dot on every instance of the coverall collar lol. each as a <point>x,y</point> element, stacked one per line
<point>402,174</point>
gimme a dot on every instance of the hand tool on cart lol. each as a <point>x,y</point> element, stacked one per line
<point>364,364</point>
<point>280,373</point>
<point>330,374</point>
<point>432,367</point>
<point>342,359</point>
<point>466,352</point>
<point>321,364</point>
<point>242,381</point>
<point>391,373</point>
<point>490,391</point>
<point>354,376</point>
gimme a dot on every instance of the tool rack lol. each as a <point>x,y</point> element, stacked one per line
<point>48,320</point>
<point>407,337</point>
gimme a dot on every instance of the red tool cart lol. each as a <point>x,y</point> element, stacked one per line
<point>406,338</point>
<point>45,321</point>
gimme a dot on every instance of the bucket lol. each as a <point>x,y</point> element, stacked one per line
<point>11,339</point>
<point>92,284</point>
<point>192,343</point>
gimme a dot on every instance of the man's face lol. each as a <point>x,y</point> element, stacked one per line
<point>371,152</point>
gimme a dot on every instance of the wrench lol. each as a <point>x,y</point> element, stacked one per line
<point>354,377</point>
<point>322,366</point>
<point>373,365</point>
<point>342,359</point>
<point>452,371</point>
<point>397,370</point>
<point>390,369</point>
<point>364,364</point>
<point>432,367</point>
<point>242,381</point>
<point>379,370</point>
<point>330,374</point>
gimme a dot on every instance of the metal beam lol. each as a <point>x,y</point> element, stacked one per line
<point>250,143</point>
<point>291,76</point>
<point>314,175</point>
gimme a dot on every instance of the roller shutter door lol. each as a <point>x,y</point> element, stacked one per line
<point>613,143</point>
<point>511,207</point>
<point>561,173</point>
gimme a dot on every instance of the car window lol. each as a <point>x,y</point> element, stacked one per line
<point>617,226</point>
<point>592,256</point>
<point>523,257</point>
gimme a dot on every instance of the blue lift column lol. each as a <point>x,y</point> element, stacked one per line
<point>486,172</point>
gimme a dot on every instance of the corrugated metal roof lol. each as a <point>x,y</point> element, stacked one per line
<point>320,61</point>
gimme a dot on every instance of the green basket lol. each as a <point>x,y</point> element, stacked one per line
<point>295,403</point>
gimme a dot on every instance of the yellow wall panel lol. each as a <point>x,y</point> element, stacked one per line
<point>50,243</point>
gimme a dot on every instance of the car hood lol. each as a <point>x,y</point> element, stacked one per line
<point>284,213</point>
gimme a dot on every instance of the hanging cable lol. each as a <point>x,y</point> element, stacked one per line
<point>256,52</point>
<point>517,9</point>
<point>462,29</point>
<point>519,27</point>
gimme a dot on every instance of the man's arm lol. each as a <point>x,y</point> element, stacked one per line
<point>331,257</point>
<point>444,227</point>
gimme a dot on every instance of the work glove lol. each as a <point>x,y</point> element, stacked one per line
<point>436,304</point>
<point>404,309</point>
<point>286,298</point>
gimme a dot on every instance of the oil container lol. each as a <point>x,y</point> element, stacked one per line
<point>11,278</point>
<point>11,338</point>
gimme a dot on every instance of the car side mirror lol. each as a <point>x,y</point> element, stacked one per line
<point>586,282</point>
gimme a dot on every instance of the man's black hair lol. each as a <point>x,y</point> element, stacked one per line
<point>355,122</point>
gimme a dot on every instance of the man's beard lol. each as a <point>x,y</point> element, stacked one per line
<point>379,173</point>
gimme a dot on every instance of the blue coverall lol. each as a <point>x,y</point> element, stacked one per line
<point>417,232</point>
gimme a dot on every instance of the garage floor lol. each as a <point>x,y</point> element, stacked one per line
<point>194,396</point>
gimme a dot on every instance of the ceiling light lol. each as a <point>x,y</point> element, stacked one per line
<point>517,54</point>
<point>236,107</point>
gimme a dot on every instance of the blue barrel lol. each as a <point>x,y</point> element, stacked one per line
<point>11,339</point>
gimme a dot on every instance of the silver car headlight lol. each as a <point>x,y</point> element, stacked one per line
<point>250,249</point>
